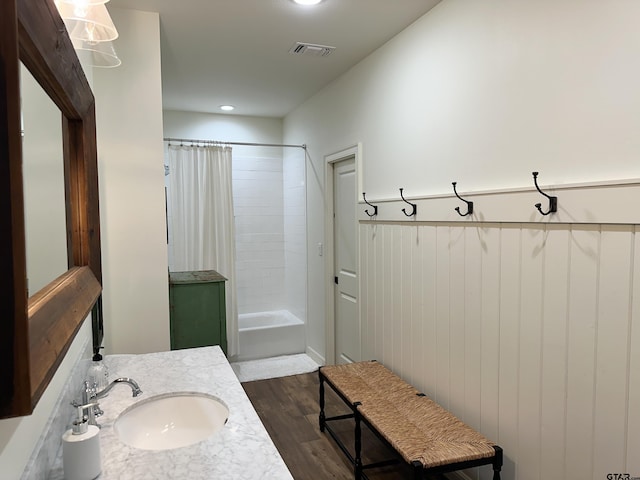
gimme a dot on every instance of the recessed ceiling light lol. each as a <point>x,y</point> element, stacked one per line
<point>227,108</point>
<point>307,2</point>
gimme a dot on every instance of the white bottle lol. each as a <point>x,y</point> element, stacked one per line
<point>81,449</point>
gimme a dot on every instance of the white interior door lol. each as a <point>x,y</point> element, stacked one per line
<point>347,324</point>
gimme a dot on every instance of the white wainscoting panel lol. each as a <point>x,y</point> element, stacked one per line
<point>528,332</point>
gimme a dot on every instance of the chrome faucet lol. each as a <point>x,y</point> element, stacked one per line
<point>90,396</point>
<point>135,389</point>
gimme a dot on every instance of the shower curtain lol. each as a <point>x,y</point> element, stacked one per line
<point>201,219</point>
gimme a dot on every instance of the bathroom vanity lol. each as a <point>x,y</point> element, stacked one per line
<point>241,449</point>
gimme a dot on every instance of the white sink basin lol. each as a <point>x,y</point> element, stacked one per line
<point>171,420</point>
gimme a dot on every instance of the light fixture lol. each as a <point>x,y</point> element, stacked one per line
<point>227,108</point>
<point>91,30</point>
<point>102,54</point>
<point>87,22</point>
<point>307,2</point>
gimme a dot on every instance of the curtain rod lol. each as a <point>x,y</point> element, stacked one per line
<point>248,144</point>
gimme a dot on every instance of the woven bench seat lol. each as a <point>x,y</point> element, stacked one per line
<point>425,435</point>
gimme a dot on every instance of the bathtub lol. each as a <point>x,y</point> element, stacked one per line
<point>269,334</point>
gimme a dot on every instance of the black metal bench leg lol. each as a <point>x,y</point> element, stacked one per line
<point>497,463</point>
<point>417,470</point>
<point>321,418</point>
<point>357,463</point>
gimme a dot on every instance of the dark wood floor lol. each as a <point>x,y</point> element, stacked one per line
<point>288,408</point>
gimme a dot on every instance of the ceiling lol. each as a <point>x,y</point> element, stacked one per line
<point>217,52</point>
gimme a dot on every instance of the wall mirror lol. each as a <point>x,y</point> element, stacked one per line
<point>36,330</point>
<point>43,185</point>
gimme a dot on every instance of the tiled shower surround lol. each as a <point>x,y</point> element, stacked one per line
<point>269,207</point>
<point>258,203</point>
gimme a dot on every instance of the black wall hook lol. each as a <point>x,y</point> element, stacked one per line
<point>553,201</point>
<point>414,207</point>
<point>469,204</point>
<point>375,207</point>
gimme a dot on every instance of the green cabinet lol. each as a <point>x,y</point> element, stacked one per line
<point>197,309</point>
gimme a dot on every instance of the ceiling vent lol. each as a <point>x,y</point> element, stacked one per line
<point>311,50</point>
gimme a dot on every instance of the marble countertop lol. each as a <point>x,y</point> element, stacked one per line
<point>241,450</point>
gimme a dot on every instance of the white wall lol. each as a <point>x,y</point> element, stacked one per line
<point>132,207</point>
<point>484,93</point>
<point>488,92</point>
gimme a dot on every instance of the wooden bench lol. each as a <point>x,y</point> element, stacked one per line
<point>427,437</point>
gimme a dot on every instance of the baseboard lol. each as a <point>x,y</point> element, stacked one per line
<point>315,356</point>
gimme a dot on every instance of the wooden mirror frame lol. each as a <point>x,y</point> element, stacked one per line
<point>36,332</point>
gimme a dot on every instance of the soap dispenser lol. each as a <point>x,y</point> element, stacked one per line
<point>81,448</point>
<point>98,373</point>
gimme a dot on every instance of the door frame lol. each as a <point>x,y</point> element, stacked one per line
<point>354,151</point>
